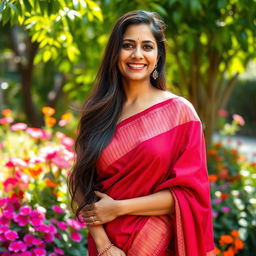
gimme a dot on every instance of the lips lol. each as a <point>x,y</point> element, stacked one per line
<point>136,66</point>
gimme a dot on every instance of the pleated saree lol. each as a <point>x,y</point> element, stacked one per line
<point>161,147</point>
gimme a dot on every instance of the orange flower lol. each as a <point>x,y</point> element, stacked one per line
<point>6,112</point>
<point>50,121</point>
<point>226,239</point>
<point>217,250</point>
<point>219,158</point>
<point>239,244</point>
<point>223,174</point>
<point>212,177</point>
<point>234,233</point>
<point>212,152</point>
<point>48,111</point>
<point>66,116</point>
<point>230,252</point>
<point>50,183</point>
<point>218,144</point>
<point>34,171</point>
<point>233,151</point>
<point>224,196</point>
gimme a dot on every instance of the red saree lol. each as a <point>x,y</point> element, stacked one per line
<point>159,148</point>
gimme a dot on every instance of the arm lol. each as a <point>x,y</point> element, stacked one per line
<point>107,209</point>
<point>159,203</point>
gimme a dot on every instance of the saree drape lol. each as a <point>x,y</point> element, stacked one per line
<point>159,148</point>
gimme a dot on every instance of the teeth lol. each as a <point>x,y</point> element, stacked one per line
<point>135,65</point>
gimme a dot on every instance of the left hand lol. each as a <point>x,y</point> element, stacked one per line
<point>101,212</point>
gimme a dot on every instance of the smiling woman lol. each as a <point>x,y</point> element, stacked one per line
<point>140,179</point>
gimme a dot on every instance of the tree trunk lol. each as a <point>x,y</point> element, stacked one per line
<point>25,68</point>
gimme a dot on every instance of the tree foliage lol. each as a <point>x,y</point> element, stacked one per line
<point>209,42</point>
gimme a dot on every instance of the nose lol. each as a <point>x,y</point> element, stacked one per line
<point>137,53</point>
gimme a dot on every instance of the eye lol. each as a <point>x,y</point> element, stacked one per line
<point>148,47</point>
<point>127,46</point>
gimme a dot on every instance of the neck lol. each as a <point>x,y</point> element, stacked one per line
<point>137,90</point>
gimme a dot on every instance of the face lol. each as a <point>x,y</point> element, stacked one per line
<point>138,56</point>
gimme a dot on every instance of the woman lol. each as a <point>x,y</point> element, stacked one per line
<point>140,179</point>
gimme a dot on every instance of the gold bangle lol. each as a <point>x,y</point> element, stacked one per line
<point>105,249</point>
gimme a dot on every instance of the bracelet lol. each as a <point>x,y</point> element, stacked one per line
<point>105,249</point>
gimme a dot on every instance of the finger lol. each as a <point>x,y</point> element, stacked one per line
<point>93,223</point>
<point>99,194</point>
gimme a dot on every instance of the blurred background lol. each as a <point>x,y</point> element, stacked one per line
<point>49,55</point>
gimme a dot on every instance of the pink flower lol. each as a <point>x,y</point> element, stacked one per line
<point>61,162</point>
<point>18,127</point>
<point>25,210</point>
<point>3,229</point>
<point>75,224</point>
<point>2,238</point>
<point>27,253</point>
<point>37,217</point>
<point>17,246</point>
<point>60,135</point>
<point>28,239</point>
<point>38,133</point>
<point>21,220</point>
<point>223,112</point>
<point>38,242</point>
<point>11,235</point>
<point>39,252</point>
<point>49,237</point>
<point>4,221</point>
<point>9,214</point>
<point>239,119</point>
<point>6,120</point>
<point>62,225</point>
<point>217,200</point>
<point>10,184</point>
<point>16,162</point>
<point>67,142</point>
<point>225,209</point>
<point>3,201</point>
<point>75,236</point>
<point>53,254</point>
<point>59,251</point>
<point>57,209</point>
<point>214,214</point>
<point>62,123</point>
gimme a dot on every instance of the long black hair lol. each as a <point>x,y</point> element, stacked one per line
<point>102,109</point>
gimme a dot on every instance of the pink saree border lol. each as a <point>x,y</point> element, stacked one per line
<point>146,125</point>
<point>153,239</point>
<point>180,236</point>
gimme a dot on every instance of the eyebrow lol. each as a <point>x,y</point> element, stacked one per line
<point>145,41</point>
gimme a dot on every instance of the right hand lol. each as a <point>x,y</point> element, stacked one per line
<point>114,251</point>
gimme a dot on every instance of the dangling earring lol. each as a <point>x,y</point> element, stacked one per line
<point>155,73</point>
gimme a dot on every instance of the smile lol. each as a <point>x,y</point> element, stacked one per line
<point>136,66</point>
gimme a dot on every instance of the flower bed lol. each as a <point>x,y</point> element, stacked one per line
<point>35,219</point>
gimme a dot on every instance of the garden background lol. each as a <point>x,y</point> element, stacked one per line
<point>49,54</point>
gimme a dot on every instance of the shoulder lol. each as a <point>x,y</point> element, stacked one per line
<point>183,108</point>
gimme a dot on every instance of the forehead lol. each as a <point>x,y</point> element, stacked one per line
<point>139,32</point>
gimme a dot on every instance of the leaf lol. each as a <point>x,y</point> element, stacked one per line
<point>37,59</point>
<point>13,7</point>
<point>47,55</point>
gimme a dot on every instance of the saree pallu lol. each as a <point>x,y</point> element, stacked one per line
<point>159,148</point>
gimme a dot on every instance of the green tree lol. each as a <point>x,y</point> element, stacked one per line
<point>211,43</point>
<point>55,31</point>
